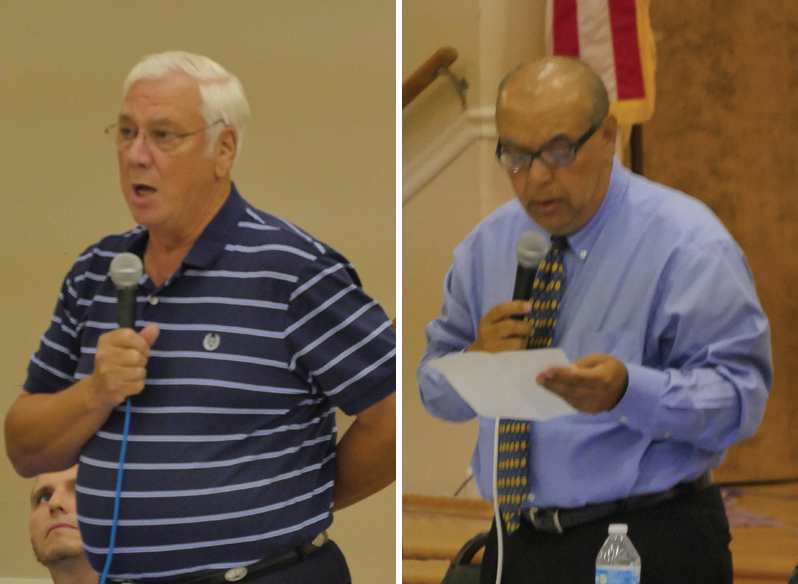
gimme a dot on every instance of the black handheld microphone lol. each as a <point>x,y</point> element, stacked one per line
<point>530,249</point>
<point>126,270</point>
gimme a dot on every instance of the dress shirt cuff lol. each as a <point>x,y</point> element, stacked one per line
<point>439,398</point>
<point>638,407</point>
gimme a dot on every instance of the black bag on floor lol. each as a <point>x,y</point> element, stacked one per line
<point>461,571</point>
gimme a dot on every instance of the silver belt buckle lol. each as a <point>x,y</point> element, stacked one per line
<point>555,519</point>
<point>320,539</point>
<point>532,513</point>
<point>235,574</point>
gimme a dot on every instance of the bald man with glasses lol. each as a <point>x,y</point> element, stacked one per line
<point>654,305</point>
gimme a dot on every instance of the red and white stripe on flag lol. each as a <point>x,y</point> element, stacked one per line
<point>615,38</point>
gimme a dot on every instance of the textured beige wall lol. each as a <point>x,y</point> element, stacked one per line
<point>320,151</point>
<point>725,130</point>
<point>491,36</point>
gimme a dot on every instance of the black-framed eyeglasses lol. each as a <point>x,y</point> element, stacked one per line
<point>123,134</point>
<point>514,159</point>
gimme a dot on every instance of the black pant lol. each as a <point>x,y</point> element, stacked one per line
<point>685,540</point>
<point>326,566</point>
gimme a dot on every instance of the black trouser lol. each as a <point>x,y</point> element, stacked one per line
<point>684,540</point>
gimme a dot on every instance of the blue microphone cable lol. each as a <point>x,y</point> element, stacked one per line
<point>115,520</point>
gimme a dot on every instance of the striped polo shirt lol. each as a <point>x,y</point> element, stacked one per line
<point>231,452</point>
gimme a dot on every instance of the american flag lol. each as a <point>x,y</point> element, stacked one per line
<point>615,38</point>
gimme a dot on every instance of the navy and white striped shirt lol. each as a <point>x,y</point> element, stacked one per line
<point>231,454</point>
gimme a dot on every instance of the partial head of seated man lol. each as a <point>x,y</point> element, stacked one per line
<point>54,530</point>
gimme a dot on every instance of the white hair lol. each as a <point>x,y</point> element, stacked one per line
<point>222,94</point>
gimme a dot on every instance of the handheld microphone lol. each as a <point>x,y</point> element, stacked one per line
<point>530,249</point>
<point>126,270</point>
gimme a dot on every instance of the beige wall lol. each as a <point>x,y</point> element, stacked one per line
<point>491,36</point>
<point>320,151</point>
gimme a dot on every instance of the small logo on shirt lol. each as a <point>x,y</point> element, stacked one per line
<point>211,341</point>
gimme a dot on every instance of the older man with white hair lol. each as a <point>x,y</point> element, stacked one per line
<point>251,334</point>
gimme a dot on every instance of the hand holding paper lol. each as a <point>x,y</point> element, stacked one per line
<point>503,385</point>
<point>592,384</point>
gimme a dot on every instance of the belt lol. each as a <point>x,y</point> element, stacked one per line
<point>555,520</point>
<point>240,572</point>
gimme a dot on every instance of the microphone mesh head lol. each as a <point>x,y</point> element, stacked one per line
<point>531,249</point>
<point>126,270</point>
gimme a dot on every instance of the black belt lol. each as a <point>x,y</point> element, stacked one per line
<point>239,573</point>
<point>558,520</point>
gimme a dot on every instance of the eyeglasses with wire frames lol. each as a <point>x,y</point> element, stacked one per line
<point>514,159</point>
<point>123,134</point>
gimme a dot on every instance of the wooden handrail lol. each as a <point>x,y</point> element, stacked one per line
<point>422,77</point>
<point>476,508</point>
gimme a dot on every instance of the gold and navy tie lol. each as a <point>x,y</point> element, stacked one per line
<point>547,290</point>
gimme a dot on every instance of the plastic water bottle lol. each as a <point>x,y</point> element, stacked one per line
<point>618,562</point>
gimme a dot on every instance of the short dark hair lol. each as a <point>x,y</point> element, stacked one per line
<point>599,98</point>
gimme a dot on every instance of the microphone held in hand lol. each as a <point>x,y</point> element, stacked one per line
<point>126,270</point>
<point>530,249</point>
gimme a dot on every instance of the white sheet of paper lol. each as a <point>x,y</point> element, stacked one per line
<point>502,385</point>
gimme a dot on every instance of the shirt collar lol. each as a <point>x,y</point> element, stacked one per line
<point>210,244</point>
<point>583,240</point>
<point>137,241</point>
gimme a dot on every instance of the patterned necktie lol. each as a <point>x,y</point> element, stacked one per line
<point>513,454</point>
<point>547,290</point>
